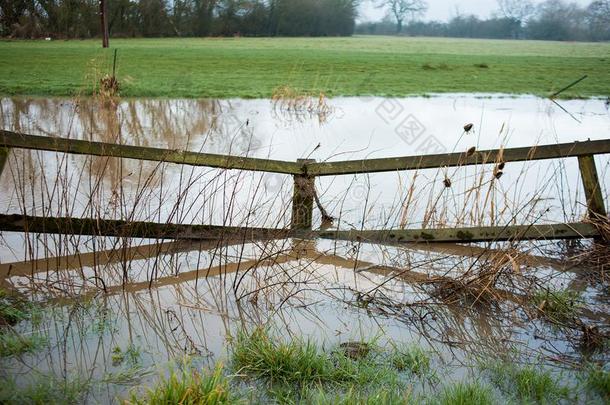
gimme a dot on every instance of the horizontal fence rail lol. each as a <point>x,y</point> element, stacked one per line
<point>134,229</point>
<point>562,150</point>
<point>474,234</point>
<point>79,147</point>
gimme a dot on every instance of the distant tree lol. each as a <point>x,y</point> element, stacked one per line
<point>10,13</point>
<point>519,10</point>
<point>203,16</point>
<point>558,21</point>
<point>227,17</point>
<point>516,13</point>
<point>312,17</point>
<point>154,20</point>
<point>401,10</point>
<point>123,18</point>
<point>598,18</point>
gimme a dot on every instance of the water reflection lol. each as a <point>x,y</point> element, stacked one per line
<point>359,128</point>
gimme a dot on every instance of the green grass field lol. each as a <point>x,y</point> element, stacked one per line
<point>253,67</point>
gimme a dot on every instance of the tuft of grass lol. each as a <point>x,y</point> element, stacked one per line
<point>481,65</point>
<point>412,358</point>
<point>46,389</point>
<point>352,397</point>
<point>440,66</point>
<point>12,343</point>
<point>188,387</point>
<point>528,383</point>
<point>131,354</point>
<point>296,362</point>
<point>301,364</point>
<point>559,305</point>
<point>598,380</point>
<point>465,393</point>
<point>130,376</point>
<point>14,309</point>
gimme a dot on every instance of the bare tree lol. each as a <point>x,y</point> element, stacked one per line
<point>519,10</point>
<point>402,9</point>
<point>600,10</point>
<point>598,18</point>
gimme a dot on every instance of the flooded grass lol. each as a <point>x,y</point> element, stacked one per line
<point>14,309</point>
<point>464,393</point>
<point>598,380</point>
<point>559,305</point>
<point>12,343</point>
<point>302,364</point>
<point>529,384</point>
<point>352,397</point>
<point>45,389</point>
<point>189,387</point>
<point>411,358</point>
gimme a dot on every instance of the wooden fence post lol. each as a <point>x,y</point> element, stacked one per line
<point>593,191</point>
<point>302,199</point>
<point>3,158</point>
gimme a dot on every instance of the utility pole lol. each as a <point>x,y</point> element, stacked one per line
<point>104,23</point>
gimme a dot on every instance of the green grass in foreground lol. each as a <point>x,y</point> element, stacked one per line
<point>189,387</point>
<point>466,394</point>
<point>253,67</point>
<point>301,364</point>
<point>557,305</point>
<point>598,380</point>
<point>12,343</point>
<point>14,309</point>
<point>528,384</point>
<point>45,389</point>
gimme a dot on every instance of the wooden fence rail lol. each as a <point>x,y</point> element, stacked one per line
<point>561,150</point>
<point>14,140</point>
<point>304,173</point>
<point>133,229</point>
<point>160,231</point>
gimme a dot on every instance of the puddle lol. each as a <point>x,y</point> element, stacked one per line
<point>160,300</point>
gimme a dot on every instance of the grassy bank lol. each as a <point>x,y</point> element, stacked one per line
<point>253,67</point>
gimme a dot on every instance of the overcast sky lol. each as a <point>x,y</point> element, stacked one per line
<point>445,9</point>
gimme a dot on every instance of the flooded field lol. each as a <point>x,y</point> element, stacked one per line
<point>112,315</point>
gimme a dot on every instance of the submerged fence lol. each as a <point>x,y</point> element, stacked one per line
<point>304,173</point>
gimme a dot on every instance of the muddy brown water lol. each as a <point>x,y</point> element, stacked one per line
<point>169,298</point>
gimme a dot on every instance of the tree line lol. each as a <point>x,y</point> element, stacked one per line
<point>187,18</point>
<point>515,19</point>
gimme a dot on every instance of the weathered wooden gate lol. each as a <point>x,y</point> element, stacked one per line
<point>304,173</point>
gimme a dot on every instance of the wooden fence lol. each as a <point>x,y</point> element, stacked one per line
<point>304,173</point>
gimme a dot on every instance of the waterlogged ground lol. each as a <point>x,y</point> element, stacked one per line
<point>115,314</point>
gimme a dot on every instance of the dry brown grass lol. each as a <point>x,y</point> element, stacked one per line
<point>298,104</point>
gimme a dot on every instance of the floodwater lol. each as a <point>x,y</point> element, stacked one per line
<point>171,298</point>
